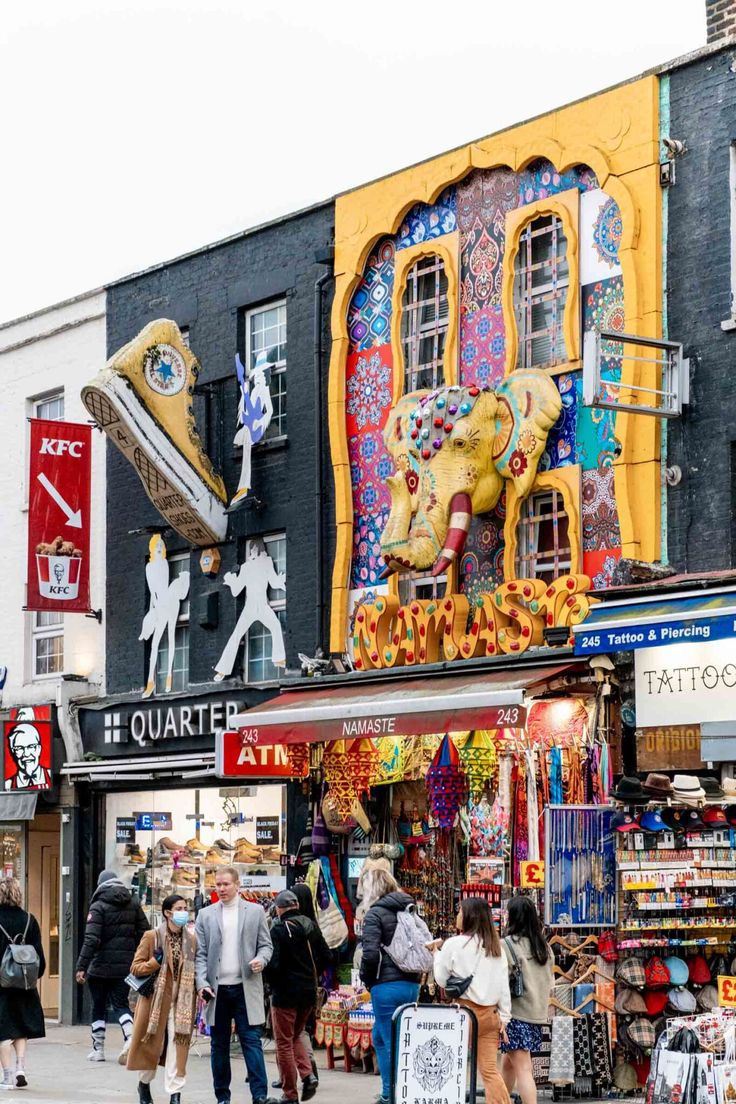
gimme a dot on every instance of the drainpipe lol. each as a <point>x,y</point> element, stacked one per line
<point>319,283</point>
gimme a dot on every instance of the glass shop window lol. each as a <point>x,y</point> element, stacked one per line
<point>265,329</point>
<point>541,282</point>
<point>180,673</point>
<point>425,316</point>
<point>258,665</point>
<point>543,548</point>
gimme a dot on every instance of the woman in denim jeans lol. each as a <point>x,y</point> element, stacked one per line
<point>390,986</point>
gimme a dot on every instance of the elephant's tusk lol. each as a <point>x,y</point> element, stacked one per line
<point>461,513</point>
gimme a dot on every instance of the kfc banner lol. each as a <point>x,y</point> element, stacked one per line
<point>27,750</point>
<point>58,517</point>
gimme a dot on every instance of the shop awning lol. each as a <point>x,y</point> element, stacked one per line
<point>411,707</point>
<point>17,806</point>
<point>128,770</point>
<point>649,623</point>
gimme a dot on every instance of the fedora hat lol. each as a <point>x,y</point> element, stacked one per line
<point>658,785</point>
<point>688,790</point>
<point>712,787</point>
<point>629,790</point>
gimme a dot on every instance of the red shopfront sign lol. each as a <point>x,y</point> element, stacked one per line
<point>59,517</point>
<point>237,760</point>
<point>457,719</point>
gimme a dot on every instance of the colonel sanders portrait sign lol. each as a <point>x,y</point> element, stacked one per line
<point>28,749</point>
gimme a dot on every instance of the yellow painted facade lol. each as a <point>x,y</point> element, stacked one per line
<point>616,135</point>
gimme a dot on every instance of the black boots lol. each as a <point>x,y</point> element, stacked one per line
<point>144,1094</point>
<point>175,1098</point>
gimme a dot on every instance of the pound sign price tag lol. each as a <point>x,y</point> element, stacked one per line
<point>532,875</point>
<point>727,992</point>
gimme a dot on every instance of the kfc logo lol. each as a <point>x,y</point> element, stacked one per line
<point>28,749</point>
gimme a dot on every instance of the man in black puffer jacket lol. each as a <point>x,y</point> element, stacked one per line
<point>115,925</point>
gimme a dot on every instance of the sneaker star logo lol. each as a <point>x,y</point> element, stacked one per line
<point>165,371</point>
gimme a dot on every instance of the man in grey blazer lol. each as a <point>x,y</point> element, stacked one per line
<point>233,947</point>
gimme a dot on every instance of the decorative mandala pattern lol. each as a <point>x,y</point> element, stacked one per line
<point>560,448</point>
<point>367,563</point>
<point>369,313</point>
<point>541,179</point>
<point>600,566</point>
<point>483,351</point>
<point>369,390</point>
<point>607,230</point>
<point>425,221</point>
<point>603,309</point>
<point>481,566</point>
<point>600,515</point>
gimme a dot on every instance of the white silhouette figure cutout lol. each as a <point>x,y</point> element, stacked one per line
<point>255,411</point>
<point>163,611</point>
<point>257,574</point>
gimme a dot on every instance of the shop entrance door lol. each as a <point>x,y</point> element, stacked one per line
<point>44,854</point>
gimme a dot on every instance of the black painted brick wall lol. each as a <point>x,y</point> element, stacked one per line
<point>207,292</point>
<point>703,114</point>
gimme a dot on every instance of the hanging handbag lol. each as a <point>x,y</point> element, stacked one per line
<point>516,977</point>
<point>20,965</point>
<point>144,986</point>
<point>330,920</point>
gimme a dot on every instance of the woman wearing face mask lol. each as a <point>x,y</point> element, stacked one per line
<point>163,1021</point>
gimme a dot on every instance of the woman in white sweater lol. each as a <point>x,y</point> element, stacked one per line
<point>476,954</point>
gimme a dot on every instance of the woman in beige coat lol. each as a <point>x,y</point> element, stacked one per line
<point>163,1021</point>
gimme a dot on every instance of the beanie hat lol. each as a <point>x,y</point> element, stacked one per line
<point>106,876</point>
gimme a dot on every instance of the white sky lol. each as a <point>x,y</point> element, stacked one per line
<point>134,131</point>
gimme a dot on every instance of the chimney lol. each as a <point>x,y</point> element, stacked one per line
<point>720,17</point>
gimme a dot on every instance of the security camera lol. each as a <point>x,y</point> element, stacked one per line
<point>674,147</point>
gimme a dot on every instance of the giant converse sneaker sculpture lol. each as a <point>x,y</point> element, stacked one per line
<point>143,399</point>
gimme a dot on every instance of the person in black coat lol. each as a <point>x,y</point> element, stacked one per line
<point>389,985</point>
<point>299,956</point>
<point>21,1014</point>
<point>115,924</point>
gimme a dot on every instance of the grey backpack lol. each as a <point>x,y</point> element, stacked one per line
<point>408,948</point>
<point>20,965</point>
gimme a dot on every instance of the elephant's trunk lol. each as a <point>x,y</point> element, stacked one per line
<point>461,513</point>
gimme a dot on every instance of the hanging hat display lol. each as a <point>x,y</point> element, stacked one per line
<point>338,772</point>
<point>445,784</point>
<point>362,755</point>
<point>298,756</point>
<point>478,760</point>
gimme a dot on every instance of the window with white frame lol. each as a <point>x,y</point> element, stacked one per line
<point>184,331</point>
<point>425,316</point>
<point>180,670</point>
<point>420,586</point>
<point>257,660</point>
<point>48,627</point>
<point>265,330</point>
<point>541,282</point>
<point>543,549</point>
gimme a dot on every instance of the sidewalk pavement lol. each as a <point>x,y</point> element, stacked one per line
<point>58,1073</point>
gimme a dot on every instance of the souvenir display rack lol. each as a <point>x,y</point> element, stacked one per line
<point>580,866</point>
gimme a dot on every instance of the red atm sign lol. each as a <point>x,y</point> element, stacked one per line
<point>236,760</point>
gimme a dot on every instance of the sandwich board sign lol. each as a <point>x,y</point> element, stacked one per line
<point>432,1044</point>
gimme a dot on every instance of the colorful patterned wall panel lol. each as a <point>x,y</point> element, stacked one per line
<point>481,567</point>
<point>603,309</point>
<point>369,315</point>
<point>600,237</point>
<point>424,221</point>
<point>561,448</point>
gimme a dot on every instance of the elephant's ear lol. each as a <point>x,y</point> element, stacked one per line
<point>529,404</point>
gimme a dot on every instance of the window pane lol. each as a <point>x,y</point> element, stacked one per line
<point>180,670</point>
<point>49,655</point>
<point>541,277</point>
<point>51,408</point>
<point>178,564</point>
<point>420,585</point>
<point>276,548</point>
<point>424,321</point>
<point>43,620</point>
<point>258,651</point>
<point>543,548</point>
<point>266,330</point>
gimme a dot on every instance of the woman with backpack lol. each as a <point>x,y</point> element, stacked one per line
<point>474,960</point>
<point>390,985</point>
<point>21,1014</point>
<point>531,981</point>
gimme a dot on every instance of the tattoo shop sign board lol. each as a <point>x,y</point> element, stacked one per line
<point>686,684</point>
<point>432,1044</point>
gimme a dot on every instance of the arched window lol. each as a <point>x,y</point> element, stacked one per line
<point>541,282</point>
<point>425,317</point>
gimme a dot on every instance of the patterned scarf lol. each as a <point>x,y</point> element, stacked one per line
<point>182,976</point>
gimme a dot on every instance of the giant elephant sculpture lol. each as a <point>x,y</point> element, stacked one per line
<point>453,448</point>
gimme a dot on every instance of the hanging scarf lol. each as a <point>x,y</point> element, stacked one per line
<point>183,995</point>
<point>555,776</point>
<point>532,805</point>
<point>562,1052</point>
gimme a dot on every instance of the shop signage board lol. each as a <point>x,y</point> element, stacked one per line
<point>59,516</point>
<point>234,759</point>
<point>268,830</point>
<point>136,728</point>
<point>27,749</point>
<point>153,822</point>
<point>593,640</point>
<point>686,683</point>
<point>668,748</point>
<point>125,829</point>
<point>532,875</point>
<point>432,1044</point>
<point>726,991</point>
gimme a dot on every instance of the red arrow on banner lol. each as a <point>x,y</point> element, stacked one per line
<point>73,517</point>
